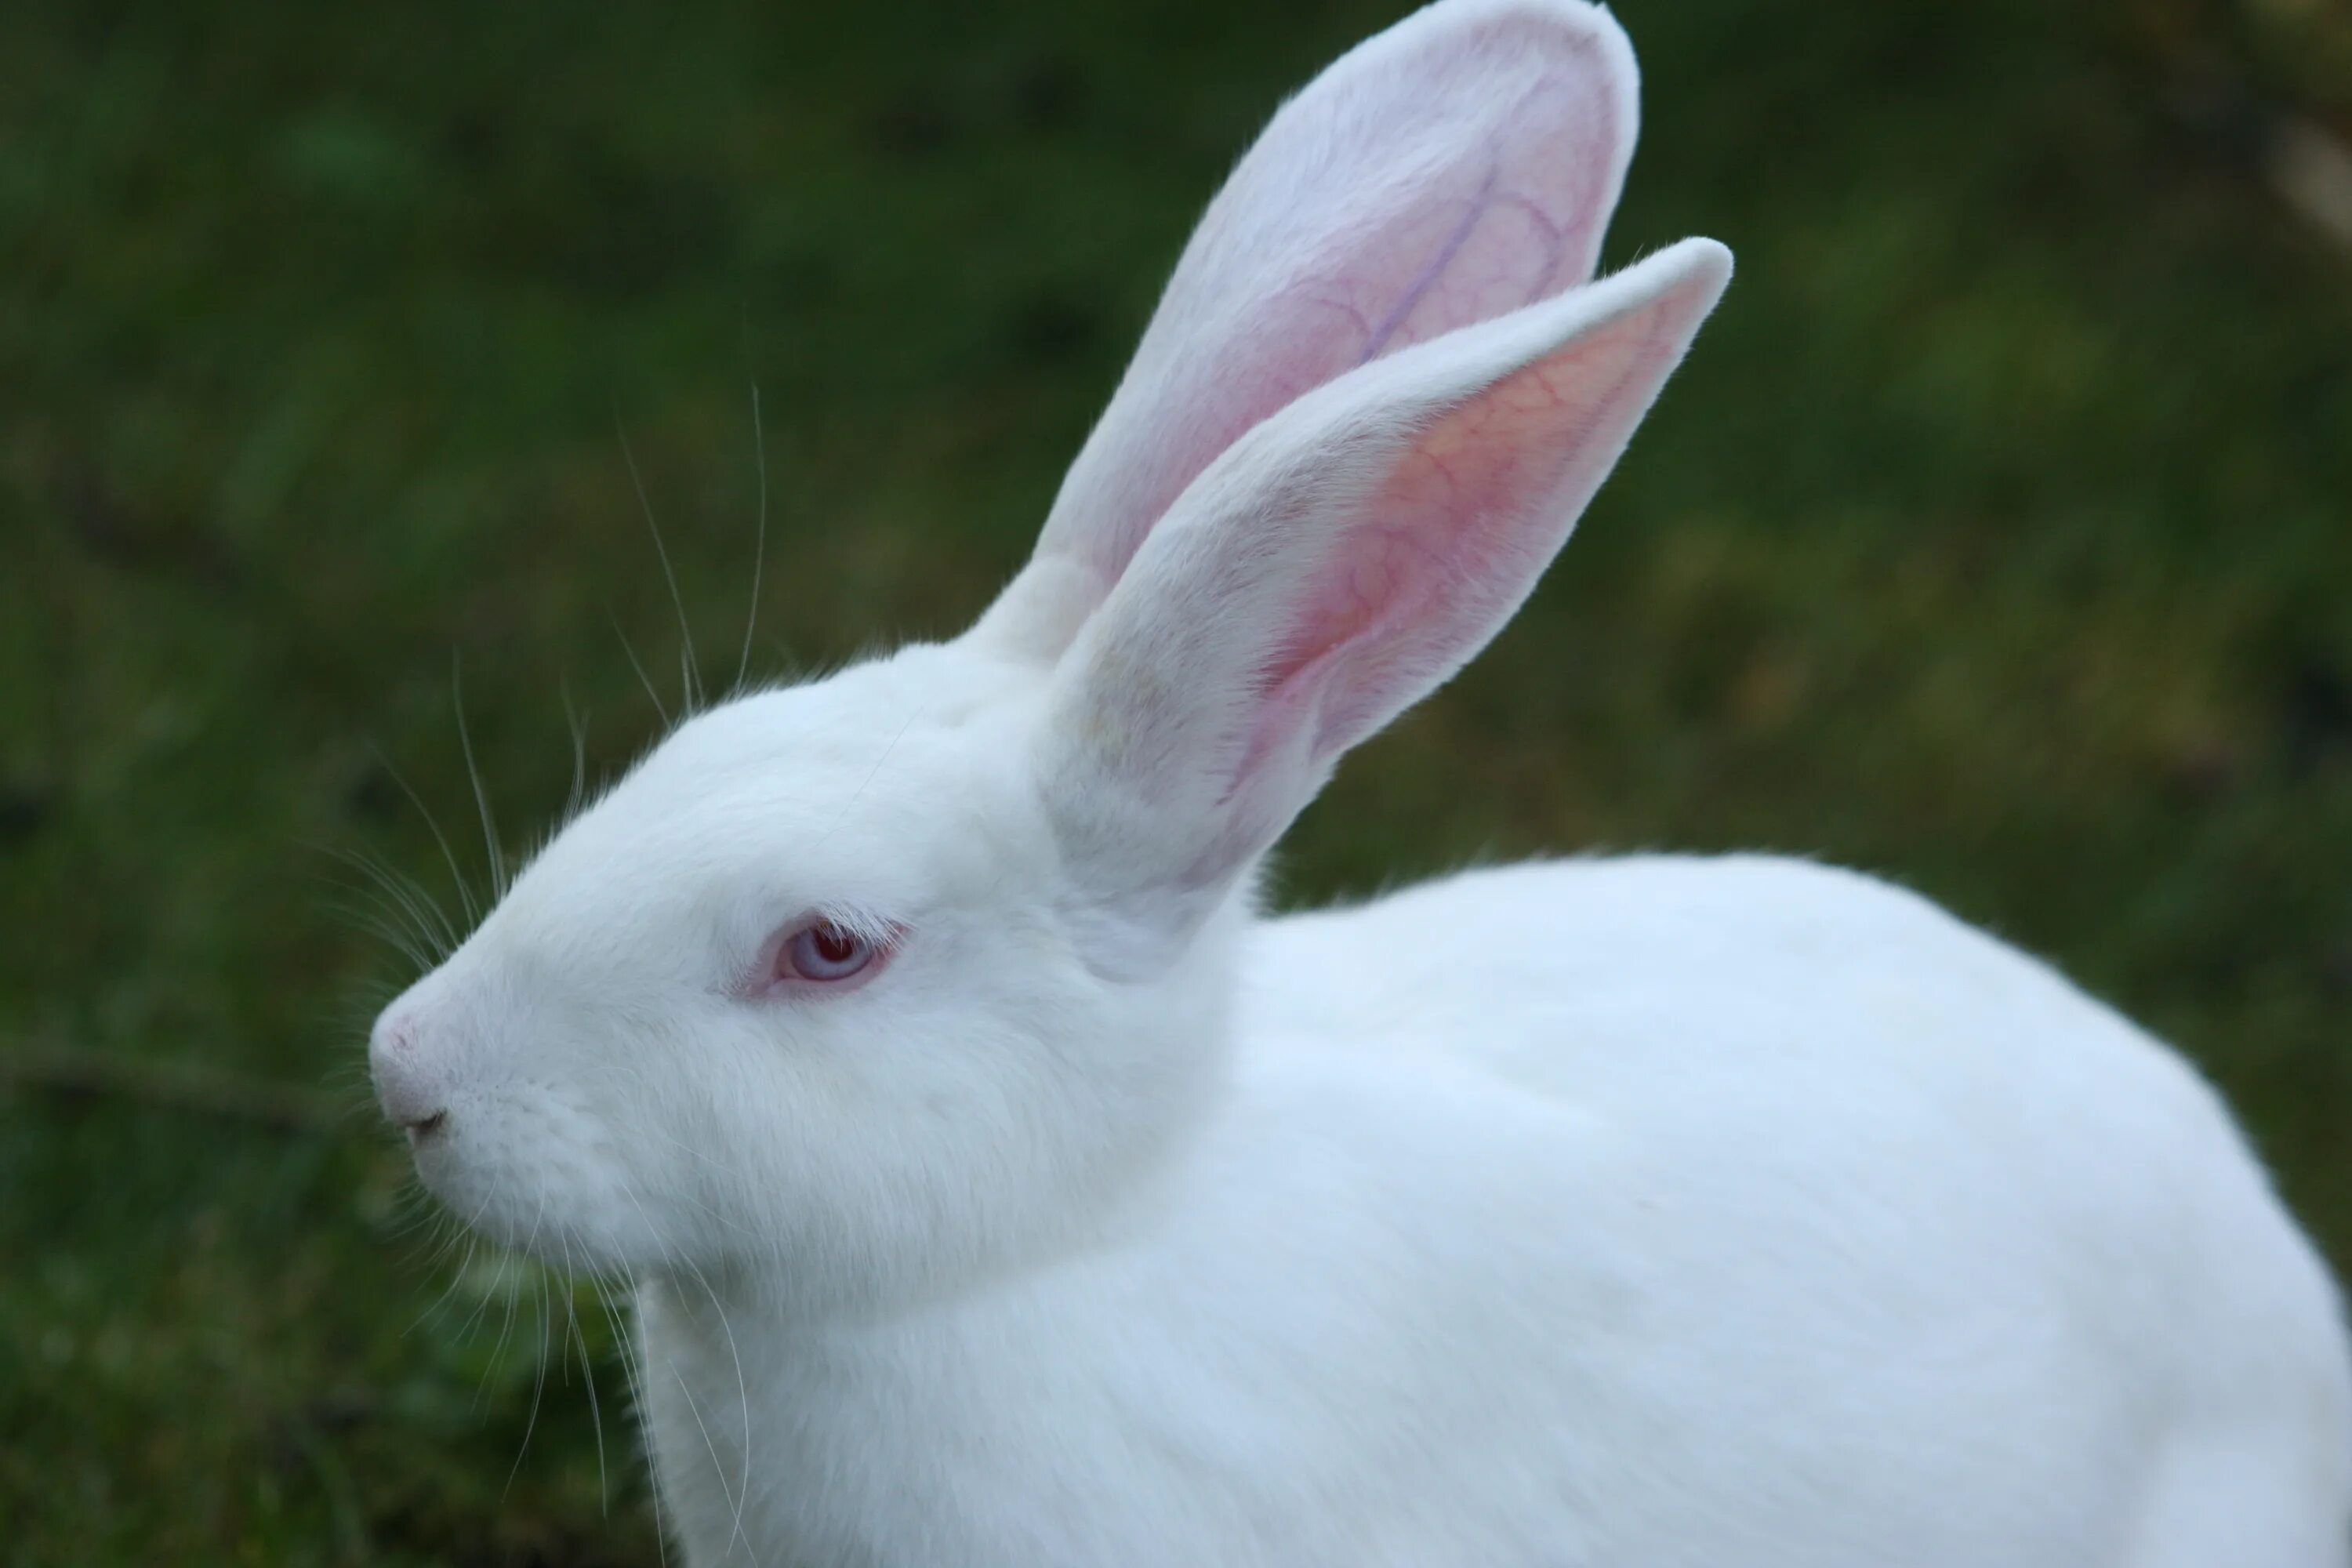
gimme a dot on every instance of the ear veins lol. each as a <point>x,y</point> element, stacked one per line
<point>1450,247</point>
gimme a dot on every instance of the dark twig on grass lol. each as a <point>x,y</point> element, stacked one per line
<point>72,1076</point>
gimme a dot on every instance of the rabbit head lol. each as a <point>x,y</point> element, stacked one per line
<point>877,983</point>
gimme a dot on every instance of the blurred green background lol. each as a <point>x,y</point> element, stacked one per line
<point>1995,537</point>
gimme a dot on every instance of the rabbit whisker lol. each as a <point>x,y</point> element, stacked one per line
<point>759,538</point>
<point>481,795</point>
<point>690,678</point>
<point>448,855</point>
<point>576,722</point>
<point>633,1372</point>
<point>743,1393</point>
<point>537,1386</point>
<point>643,679</point>
<point>587,1377</point>
<point>736,1496</point>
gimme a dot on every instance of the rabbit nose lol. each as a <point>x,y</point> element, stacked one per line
<point>412,1096</point>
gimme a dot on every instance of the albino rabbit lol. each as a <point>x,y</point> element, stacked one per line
<point>1002,1188</point>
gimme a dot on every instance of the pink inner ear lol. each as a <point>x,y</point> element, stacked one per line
<point>1451,542</point>
<point>1403,217</point>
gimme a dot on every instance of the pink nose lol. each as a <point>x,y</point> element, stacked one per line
<point>414,1096</point>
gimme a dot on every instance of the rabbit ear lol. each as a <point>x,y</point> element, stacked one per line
<point>1459,166</point>
<point>1335,565</point>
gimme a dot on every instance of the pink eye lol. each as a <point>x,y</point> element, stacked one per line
<point>826,953</point>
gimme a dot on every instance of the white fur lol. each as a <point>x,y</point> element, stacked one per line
<point>1633,1214</point>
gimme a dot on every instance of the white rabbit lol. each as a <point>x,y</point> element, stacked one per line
<point>1002,1188</point>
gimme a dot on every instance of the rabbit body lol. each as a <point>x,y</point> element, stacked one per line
<point>1003,1190</point>
<point>1658,1211</point>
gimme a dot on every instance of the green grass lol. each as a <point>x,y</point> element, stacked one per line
<point>1996,537</point>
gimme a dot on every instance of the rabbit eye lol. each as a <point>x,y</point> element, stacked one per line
<point>824,953</point>
<point>818,953</point>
